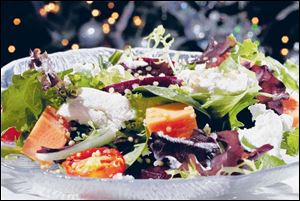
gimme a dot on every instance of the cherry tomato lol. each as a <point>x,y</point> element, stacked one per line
<point>10,135</point>
<point>96,163</point>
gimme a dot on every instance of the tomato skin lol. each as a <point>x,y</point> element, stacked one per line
<point>95,162</point>
<point>10,135</point>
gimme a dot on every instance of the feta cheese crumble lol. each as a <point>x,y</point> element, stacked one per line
<point>214,80</point>
<point>102,108</point>
<point>131,63</point>
<point>269,128</point>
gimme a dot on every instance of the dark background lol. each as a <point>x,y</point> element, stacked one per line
<point>46,33</point>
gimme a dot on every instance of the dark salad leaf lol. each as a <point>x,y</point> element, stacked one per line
<point>163,146</point>
<point>42,63</point>
<point>155,68</point>
<point>210,157</point>
<point>216,52</point>
<point>153,172</point>
<point>131,84</point>
<point>44,150</point>
<point>49,80</point>
<point>233,154</point>
<point>35,58</point>
<point>199,135</point>
<point>269,84</point>
<point>174,94</point>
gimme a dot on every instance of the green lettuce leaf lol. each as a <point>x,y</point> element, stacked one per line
<point>62,74</point>
<point>25,100</point>
<point>5,150</point>
<point>245,102</point>
<point>189,171</point>
<point>248,50</point>
<point>220,103</point>
<point>112,60</point>
<point>115,57</point>
<point>173,94</point>
<point>55,97</point>
<point>112,76</point>
<point>22,102</point>
<point>290,142</point>
<point>104,78</point>
<point>84,80</point>
<point>287,73</point>
<point>139,150</point>
<point>20,141</point>
<point>244,168</point>
<point>139,104</point>
<point>268,161</point>
<point>292,68</point>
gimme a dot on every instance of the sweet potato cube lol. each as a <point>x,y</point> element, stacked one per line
<point>175,120</point>
<point>49,131</point>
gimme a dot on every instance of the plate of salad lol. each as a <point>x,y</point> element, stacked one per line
<point>149,123</point>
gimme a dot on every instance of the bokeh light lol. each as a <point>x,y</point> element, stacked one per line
<point>17,21</point>
<point>11,49</point>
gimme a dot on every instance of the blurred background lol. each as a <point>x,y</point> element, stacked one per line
<point>58,26</point>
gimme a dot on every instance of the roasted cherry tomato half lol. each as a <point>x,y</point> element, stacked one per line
<point>10,135</point>
<point>96,163</point>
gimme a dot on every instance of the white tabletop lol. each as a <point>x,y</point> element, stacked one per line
<point>286,190</point>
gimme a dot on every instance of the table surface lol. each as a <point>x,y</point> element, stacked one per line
<point>286,190</point>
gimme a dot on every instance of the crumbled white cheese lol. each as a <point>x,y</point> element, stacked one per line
<point>120,176</point>
<point>102,108</point>
<point>214,80</point>
<point>131,63</point>
<point>269,128</point>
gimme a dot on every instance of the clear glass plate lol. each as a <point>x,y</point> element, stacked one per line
<point>20,175</point>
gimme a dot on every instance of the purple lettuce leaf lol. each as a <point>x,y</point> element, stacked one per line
<point>45,150</point>
<point>130,84</point>
<point>269,84</point>
<point>153,172</point>
<point>199,135</point>
<point>207,157</point>
<point>35,58</point>
<point>155,68</point>
<point>216,52</point>
<point>233,154</point>
<point>163,146</point>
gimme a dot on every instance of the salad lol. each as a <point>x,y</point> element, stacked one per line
<point>229,111</point>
